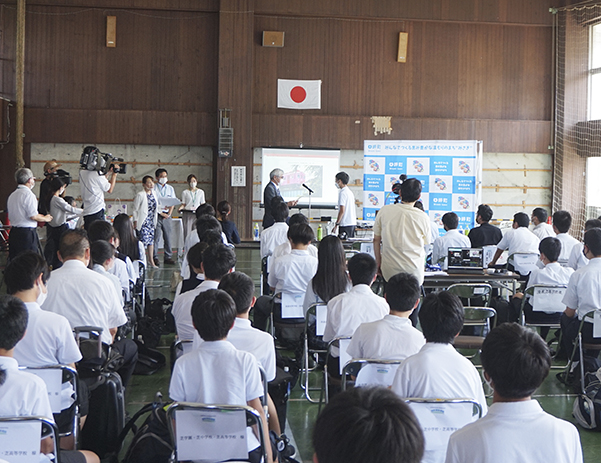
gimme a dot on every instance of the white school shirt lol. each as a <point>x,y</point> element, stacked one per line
<point>93,186</point>
<point>291,273</point>
<point>47,341</point>
<point>577,259</point>
<point>519,240</point>
<point>23,393</point>
<point>112,278</point>
<point>273,236</point>
<point>311,296</point>
<point>85,298</point>
<point>62,212</point>
<point>391,338</point>
<point>543,230</point>
<point>451,239</point>
<point>550,274</point>
<point>584,289</point>
<point>516,432</point>
<point>348,310</point>
<point>182,309</point>
<point>248,339</point>
<point>21,206</point>
<point>286,248</point>
<point>217,373</point>
<point>346,198</point>
<point>191,240</point>
<point>119,270</point>
<point>567,243</point>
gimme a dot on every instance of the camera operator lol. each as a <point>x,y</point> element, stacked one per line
<point>93,186</point>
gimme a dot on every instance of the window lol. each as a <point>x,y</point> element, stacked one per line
<point>595,73</point>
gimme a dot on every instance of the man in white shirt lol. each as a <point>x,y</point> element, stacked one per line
<point>93,186</point>
<point>217,261</point>
<point>577,259</point>
<point>86,298</point>
<point>22,207</point>
<point>360,305</point>
<point>517,240</point>
<point>205,223</point>
<point>393,337</point>
<point>400,233</point>
<point>164,225</point>
<point>438,370</point>
<point>277,234</point>
<point>583,294</point>
<point>289,273</point>
<point>516,428</point>
<point>452,239</point>
<point>347,210</point>
<point>539,219</point>
<point>562,221</point>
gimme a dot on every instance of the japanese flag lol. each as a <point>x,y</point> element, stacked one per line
<point>299,94</point>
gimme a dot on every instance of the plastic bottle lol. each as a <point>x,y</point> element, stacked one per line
<point>319,233</point>
<point>256,231</point>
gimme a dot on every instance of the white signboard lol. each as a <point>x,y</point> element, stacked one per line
<point>238,175</point>
<point>321,316</point>
<point>292,305</point>
<point>20,441</point>
<point>53,378</point>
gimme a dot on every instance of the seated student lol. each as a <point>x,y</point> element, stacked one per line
<point>48,339</point>
<point>23,393</point>
<point>577,259</point>
<point>367,425</point>
<point>438,370</point>
<point>216,372</point>
<point>285,247</point>
<point>541,228</point>
<point>452,239</point>
<point>290,273</point>
<point>583,294</point>
<point>204,224</point>
<point>551,274</point>
<point>515,362</point>
<point>277,233</point>
<point>360,305</point>
<point>562,221</point>
<point>217,261</point>
<point>393,337</point>
<point>519,239</point>
<point>102,259</point>
<point>485,234</point>
<point>194,257</point>
<point>229,227</point>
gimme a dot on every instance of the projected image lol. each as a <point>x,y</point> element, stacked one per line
<point>292,183</point>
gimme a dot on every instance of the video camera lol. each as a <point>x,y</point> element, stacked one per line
<point>62,174</point>
<point>94,159</point>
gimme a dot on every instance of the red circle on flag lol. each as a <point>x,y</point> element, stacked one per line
<point>298,94</point>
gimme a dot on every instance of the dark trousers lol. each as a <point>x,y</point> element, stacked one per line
<point>163,229</point>
<point>53,238</point>
<point>569,332</point>
<point>129,350</point>
<point>21,240</point>
<point>349,230</point>
<point>262,312</point>
<point>89,219</point>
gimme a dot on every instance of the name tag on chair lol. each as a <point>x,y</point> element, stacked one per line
<point>211,435</point>
<point>548,300</point>
<point>292,305</point>
<point>53,377</point>
<point>321,316</point>
<point>597,324</point>
<point>20,441</point>
<point>344,357</point>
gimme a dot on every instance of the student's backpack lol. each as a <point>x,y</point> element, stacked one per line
<point>587,406</point>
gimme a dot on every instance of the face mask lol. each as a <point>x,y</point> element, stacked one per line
<point>163,180</point>
<point>42,296</point>
<point>31,185</point>
<point>192,184</point>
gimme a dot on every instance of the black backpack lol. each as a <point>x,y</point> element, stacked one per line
<point>587,406</point>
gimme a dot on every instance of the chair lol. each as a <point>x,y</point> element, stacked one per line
<point>579,345</point>
<point>370,372</point>
<point>310,350</point>
<point>469,291</point>
<point>477,317</point>
<point>54,376</point>
<point>341,343</point>
<point>179,348</point>
<point>288,321</point>
<point>213,432</point>
<point>139,290</point>
<point>265,291</point>
<point>22,435</point>
<point>523,262</point>
<point>439,418</point>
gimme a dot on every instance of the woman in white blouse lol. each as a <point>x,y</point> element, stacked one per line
<point>191,199</point>
<point>145,215</point>
<point>61,213</point>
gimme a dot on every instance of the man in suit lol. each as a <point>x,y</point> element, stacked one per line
<point>272,190</point>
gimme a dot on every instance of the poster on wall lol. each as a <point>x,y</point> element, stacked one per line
<point>450,173</point>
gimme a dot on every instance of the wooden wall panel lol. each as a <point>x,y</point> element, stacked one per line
<point>173,5</point>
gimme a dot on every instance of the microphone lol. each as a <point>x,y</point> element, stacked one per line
<point>310,190</point>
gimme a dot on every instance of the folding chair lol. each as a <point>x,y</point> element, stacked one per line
<point>139,290</point>
<point>265,291</point>
<point>288,321</point>
<point>314,331</point>
<point>20,438</point>
<point>341,343</point>
<point>478,317</point>
<point>579,345</point>
<point>439,418</point>
<point>469,291</point>
<point>370,372</point>
<point>213,432</point>
<point>523,262</point>
<point>55,376</point>
<point>179,348</point>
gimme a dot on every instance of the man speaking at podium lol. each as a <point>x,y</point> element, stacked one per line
<point>272,190</point>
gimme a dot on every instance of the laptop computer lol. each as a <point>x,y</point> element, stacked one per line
<point>465,260</point>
